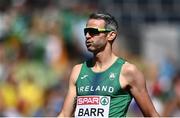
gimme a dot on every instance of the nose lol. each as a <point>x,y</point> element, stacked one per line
<point>87,35</point>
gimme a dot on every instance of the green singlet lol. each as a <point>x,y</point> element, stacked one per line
<point>104,83</point>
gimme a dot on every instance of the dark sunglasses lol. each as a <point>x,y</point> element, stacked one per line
<point>95,31</point>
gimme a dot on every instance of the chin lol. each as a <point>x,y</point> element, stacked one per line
<point>91,50</point>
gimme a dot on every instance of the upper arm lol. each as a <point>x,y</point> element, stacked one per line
<point>70,99</point>
<point>137,86</point>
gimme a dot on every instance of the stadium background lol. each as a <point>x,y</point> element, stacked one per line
<point>40,41</point>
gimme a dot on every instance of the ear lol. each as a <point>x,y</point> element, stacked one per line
<point>111,35</point>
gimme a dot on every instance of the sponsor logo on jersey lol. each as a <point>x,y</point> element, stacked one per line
<point>92,106</point>
<point>92,100</point>
<point>104,101</point>
<point>84,76</point>
<point>112,76</point>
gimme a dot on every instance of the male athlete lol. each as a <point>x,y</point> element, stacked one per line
<point>104,85</point>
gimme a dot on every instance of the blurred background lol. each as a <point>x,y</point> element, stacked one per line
<point>41,40</point>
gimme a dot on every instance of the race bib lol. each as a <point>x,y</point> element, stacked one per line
<point>92,106</point>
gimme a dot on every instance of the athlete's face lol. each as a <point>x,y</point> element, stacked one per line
<point>95,39</point>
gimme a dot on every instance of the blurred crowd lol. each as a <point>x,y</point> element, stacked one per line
<point>39,44</point>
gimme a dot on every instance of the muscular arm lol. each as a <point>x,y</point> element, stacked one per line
<point>136,82</point>
<point>69,103</point>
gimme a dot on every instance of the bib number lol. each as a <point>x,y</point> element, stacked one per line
<point>92,106</point>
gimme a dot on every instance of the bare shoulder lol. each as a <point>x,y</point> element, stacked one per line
<point>75,72</point>
<point>132,74</point>
<point>77,67</point>
<point>128,67</point>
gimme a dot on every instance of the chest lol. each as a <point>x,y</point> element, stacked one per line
<point>98,84</point>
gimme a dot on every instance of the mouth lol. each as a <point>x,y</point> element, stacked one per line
<point>88,43</point>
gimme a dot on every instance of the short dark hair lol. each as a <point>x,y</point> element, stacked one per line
<point>110,21</point>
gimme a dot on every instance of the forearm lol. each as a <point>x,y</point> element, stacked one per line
<point>68,108</point>
<point>151,114</point>
<point>145,104</point>
<point>155,114</point>
<point>61,115</point>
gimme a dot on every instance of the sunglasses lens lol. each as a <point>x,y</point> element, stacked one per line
<point>91,31</point>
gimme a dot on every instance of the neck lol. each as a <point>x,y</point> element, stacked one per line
<point>103,60</point>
